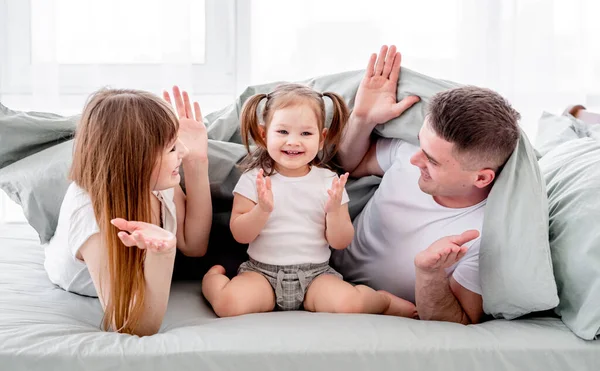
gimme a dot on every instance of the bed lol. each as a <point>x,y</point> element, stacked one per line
<point>45,328</point>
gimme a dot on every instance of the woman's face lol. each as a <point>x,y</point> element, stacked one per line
<point>166,172</point>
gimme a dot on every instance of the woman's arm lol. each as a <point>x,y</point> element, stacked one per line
<point>194,211</point>
<point>158,270</point>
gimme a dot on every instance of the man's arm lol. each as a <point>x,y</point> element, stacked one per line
<point>375,104</point>
<point>355,144</point>
<point>369,164</point>
<point>438,297</point>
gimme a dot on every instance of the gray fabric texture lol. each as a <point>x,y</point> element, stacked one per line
<point>571,168</point>
<point>45,328</point>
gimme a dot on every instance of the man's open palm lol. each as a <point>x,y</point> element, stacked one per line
<point>376,97</point>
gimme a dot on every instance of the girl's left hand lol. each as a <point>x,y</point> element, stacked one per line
<point>192,131</point>
<point>335,194</point>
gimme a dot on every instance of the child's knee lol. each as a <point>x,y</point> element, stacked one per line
<point>351,302</point>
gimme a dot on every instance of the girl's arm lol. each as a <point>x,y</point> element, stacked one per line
<point>339,231</point>
<point>247,219</point>
<point>158,270</point>
<point>338,228</point>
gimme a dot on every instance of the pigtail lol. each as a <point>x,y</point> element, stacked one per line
<point>249,122</point>
<point>250,129</point>
<point>336,129</point>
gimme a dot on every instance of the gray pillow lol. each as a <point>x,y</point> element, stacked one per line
<point>25,133</point>
<point>572,173</point>
<point>39,183</point>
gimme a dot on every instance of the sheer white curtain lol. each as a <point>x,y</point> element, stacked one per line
<point>56,52</point>
<point>540,54</point>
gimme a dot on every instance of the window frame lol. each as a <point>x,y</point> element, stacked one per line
<point>216,76</point>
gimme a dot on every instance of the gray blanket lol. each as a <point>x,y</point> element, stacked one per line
<point>515,263</point>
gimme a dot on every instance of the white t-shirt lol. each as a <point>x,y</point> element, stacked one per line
<point>76,224</point>
<point>295,230</point>
<point>398,222</point>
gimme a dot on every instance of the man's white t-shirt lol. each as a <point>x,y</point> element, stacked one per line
<point>398,222</point>
<point>76,224</point>
<point>295,230</point>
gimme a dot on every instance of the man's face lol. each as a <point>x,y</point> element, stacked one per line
<point>441,173</point>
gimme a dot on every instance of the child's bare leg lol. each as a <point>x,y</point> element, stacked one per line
<point>328,293</point>
<point>400,307</point>
<point>248,292</point>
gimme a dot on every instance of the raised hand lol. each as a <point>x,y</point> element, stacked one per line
<point>265,194</point>
<point>376,96</point>
<point>145,236</point>
<point>192,131</point>
<point>335,194</point>
<point>444,252</point>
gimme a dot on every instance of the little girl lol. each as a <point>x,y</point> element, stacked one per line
<point>290,209</point>
<point>125,214</point>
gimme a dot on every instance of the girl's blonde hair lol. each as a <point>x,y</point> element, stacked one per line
<point>289,95</point>
<point>119,140</point>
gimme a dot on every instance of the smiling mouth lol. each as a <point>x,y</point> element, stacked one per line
<point>293,153</point>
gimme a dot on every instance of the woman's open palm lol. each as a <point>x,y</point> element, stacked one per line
<point>192,131</point>
<point>145,236</point>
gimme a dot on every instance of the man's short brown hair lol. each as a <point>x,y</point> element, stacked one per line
<point>480,123</point>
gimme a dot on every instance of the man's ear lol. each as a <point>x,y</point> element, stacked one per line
<point>323,136</point>
<point>485,177</point>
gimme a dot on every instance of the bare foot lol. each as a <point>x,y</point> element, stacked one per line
<point>213,282</point>
<point>217,269</point>
<point>400,307</point>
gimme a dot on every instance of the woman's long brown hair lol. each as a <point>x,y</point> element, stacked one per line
<point>119,139</point>
<point>287,95</point>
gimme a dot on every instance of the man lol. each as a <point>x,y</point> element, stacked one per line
<point>418,236</point>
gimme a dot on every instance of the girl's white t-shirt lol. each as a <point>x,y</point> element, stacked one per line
<point>295,230</point>
<point>76,224</point>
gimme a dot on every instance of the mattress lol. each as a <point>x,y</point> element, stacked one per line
<point>45,328</point>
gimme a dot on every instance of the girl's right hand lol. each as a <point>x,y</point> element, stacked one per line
<point>145,236</point>
<point>265,194</point>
